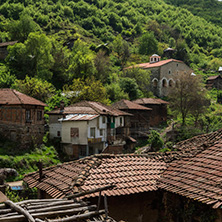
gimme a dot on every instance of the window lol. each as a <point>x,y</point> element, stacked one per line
<point>93,132</point>
<point>39,115</point>
<point>177,64</point>
<point>170,83</point>
<point>121,121</point>
<point>155,82</point>
<point>74,132</point>
<point>164,83</point>
<point>104,119</point>
<point>169,72</point>
<point>101,132</point>
<point>58,134</point>
<point>28,115</point>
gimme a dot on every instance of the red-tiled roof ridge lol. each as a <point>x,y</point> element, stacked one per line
<point>150,101</point>
<point>90,107</point>
<point>126,104</point>
<point>152,65</point>
<point>14,97</point>
<point>100,170</point>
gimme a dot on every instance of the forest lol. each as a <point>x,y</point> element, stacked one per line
<point>83,46</point>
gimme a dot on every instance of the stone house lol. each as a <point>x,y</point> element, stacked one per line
<point>3,48</point>
<point>140,119</point>
<point>21,117</point>
<point>87,128</point>
<point>163,73</point>
<point>158,109</point>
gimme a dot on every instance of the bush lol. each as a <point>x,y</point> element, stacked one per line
<point>155,140</point>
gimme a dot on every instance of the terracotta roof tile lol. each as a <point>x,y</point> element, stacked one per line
<point>89,107</point>
<point>13,97</point>
<point>153,65</point>
<point>144,101</point>
<point>128,172</point>
<point>126,104</point>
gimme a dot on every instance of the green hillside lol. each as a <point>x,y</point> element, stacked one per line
<point>127,31</point>
<point>208,9</point>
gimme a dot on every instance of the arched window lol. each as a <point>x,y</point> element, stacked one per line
<point>155,83</point>
<point>171,84</point>
<point>164,83</point>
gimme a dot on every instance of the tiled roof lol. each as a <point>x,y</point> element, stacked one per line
<point>129,173</point>
<point>198,177</point>
<point>126,104</point>
<point>213,77</point>
<point>152,65</point>
<point>13,97</point>
<point>89,107</point>
<point>144,101</point>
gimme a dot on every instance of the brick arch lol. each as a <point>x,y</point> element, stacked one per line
<point>164,82</point>
<point>155,82</point>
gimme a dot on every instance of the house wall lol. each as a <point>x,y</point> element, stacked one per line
<point>15,126</point>
<point>216,83</point>
<point>141,207</point>
<point>55,126</point>
<point>81,138</point>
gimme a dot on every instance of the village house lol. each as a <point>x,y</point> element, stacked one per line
<point>3,48</point>
<point>140,119</point>
<point>21,117</point>
<point>158,109</point>
<point>214,82</point>
<point>134,197</point>
<point>163,73</point>
<point>87,128</point>
<point>147,187</point>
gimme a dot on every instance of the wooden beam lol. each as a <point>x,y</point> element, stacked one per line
<point>18,209</point>
<point>79,217</point>
<point>90,191</point>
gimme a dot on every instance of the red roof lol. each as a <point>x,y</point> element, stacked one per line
<point>144,101</point>
<point>13,97</point>
<point>152,65</point>
<point>198,177</point>
<point>89,107</point>
<point>129,173</point>
<point>126,104</point>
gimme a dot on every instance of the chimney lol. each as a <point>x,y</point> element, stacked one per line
<point>61,106</point>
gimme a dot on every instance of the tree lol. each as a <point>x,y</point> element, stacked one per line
<point>187,96</point>
<point>148,44</point>
<point>121,48</point>
<point>155,141</point>
<point>37,88</point>
<point>6,79</point>
<point>88,89</point>
<point>142,78</point>
<point>130,87</point>
<point>81,61</point>
<point>33,57</point>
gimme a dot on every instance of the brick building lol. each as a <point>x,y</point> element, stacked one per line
<point>163,73</point>
<point>158,112</point>
<point>140,119</point>
<point>21,117</point>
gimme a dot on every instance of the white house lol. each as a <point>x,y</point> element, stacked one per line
<point>87,128</point>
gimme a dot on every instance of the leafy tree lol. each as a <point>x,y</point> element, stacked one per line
<point>81,61</point>
<point>155,141</point>
<point>121,48</point>
<point>142,78</point>
<point>37,88</point>
<point>20,29</point>
<point>33,57</point>
<point>6,79</point>
<point>148,44</point>
<point>187,95</point>
<point>130,87</point>
<point>88,89</point>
